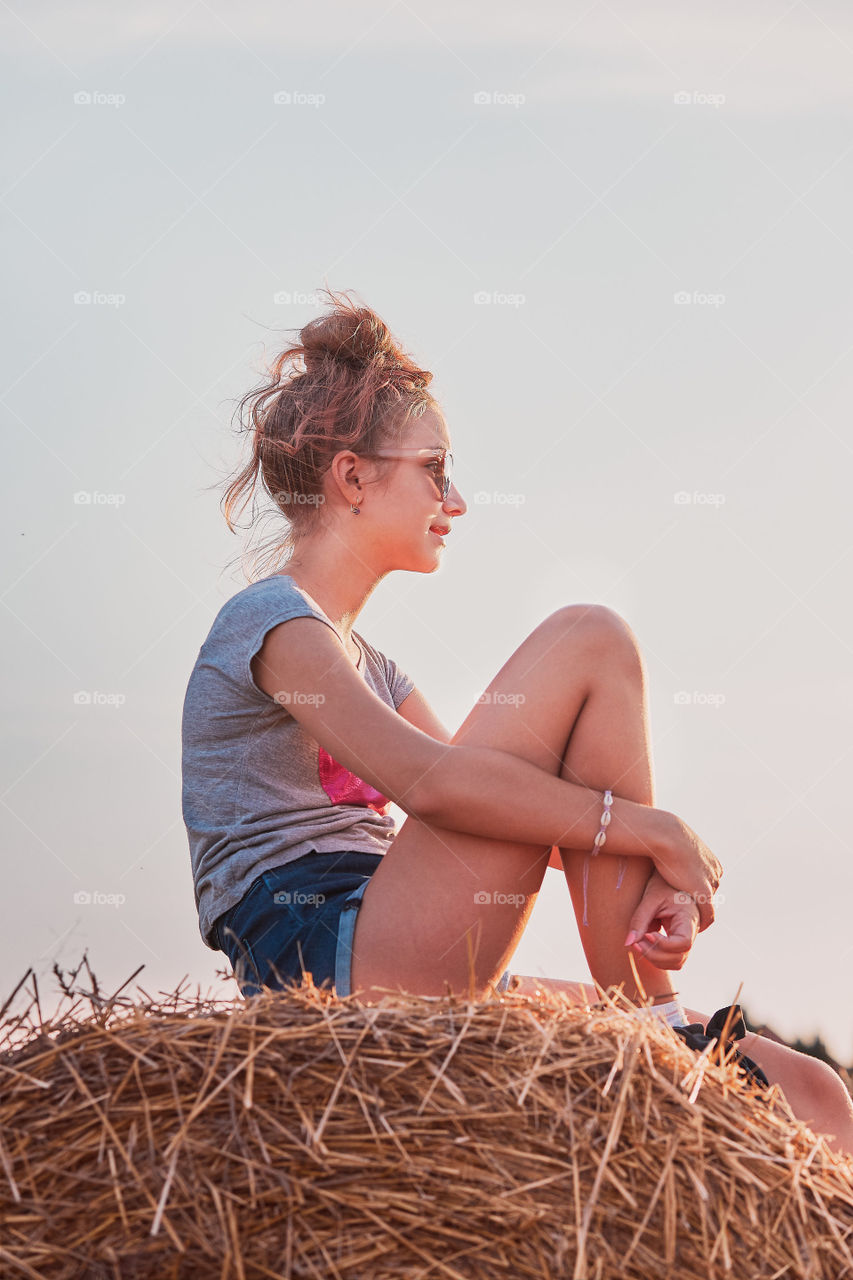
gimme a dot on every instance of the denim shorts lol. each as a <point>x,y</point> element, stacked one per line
<point>300,918</point>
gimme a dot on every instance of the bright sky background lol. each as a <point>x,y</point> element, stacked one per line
<point>628,153</point>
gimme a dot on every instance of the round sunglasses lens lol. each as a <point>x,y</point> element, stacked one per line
<point>446,470</point>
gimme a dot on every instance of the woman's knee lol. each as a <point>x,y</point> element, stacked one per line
<point>822,1084</point>
<point>805,1080</point>
<point>601,631</point>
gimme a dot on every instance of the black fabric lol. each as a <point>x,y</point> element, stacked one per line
<point>698,1037</point>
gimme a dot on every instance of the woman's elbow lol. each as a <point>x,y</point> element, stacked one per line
<point>426,797</point>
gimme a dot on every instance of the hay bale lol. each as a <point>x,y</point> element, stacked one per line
<point>301,1135</point>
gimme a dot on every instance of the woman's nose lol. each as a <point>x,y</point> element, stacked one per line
<point>454,502</point>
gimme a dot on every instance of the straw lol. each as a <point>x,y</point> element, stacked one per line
<point>296,1134</point>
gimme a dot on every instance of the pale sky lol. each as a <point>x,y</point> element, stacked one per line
<point>655,200</point>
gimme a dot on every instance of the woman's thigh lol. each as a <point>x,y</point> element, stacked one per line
<point>446,906</point>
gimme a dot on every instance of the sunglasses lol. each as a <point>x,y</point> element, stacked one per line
<point>443,464</point>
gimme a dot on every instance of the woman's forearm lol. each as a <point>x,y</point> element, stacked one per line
<point>486,792</point>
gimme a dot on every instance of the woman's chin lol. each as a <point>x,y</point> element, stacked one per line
<point>430,563</point>
<point>422,559</point>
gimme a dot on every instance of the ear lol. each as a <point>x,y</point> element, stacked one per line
<point>346,471</point>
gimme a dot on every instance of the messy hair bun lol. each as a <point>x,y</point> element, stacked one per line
<point>357,338</point>
<point>346,384</point>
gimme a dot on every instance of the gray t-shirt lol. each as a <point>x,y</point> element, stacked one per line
<point>257,790</point>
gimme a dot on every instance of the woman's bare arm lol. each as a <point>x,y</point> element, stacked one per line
<point>477,790</point>
<point>416,710</point>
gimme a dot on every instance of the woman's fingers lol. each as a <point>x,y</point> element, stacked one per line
<point>663,908</point>
<point>665,951</point>
<point>691,865</point>
<point>673,941</point>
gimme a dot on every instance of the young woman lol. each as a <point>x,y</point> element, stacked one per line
<point>297,733</point>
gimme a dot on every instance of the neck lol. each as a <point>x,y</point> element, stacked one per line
<point>341,587</point>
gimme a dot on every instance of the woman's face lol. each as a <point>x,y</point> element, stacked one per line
<point>405,520</point>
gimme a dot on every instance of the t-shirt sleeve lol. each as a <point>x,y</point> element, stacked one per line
<point>242,626</point>
<point>399,684</point>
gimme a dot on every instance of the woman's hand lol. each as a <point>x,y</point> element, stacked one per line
<point>689,864</point>
<point>663,908</point>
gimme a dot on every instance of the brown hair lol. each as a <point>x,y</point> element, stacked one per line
<point>346,384</point>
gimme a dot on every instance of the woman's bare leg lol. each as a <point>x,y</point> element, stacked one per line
<point>815,1093</point>
<point>446,908</point>
<point>610,747</point>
